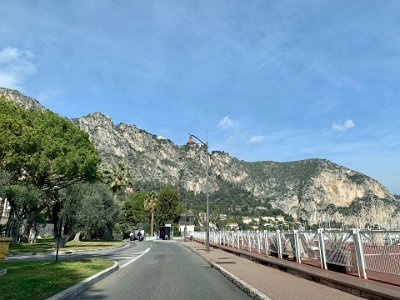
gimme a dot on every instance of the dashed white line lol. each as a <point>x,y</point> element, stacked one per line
<point>135,258</point>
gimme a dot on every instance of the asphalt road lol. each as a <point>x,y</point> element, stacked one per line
<point>163,270</point>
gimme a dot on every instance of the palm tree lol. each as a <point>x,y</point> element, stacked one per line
<point>117,177</point>
<point>150,205</point>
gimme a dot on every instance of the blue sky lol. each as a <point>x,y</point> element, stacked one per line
<point>268,80</point>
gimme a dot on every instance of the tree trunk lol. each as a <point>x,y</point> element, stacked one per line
<point>27,231</point>
<point>33,234</point>
<point>64,234</point>
<point>152,222</point>
<point>12,226</point>
<point>77,236</point>
<point>63,240</point>
<point>54,213</point>
<point>107,235</point>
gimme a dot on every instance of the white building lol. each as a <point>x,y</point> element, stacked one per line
<point>4,210</point>
<point>246,220</point>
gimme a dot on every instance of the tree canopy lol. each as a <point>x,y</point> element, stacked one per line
<point>26,203</point>
<point>41,153</point>
<point>134,209</point>
<point>168,206</point>
<point>44,149</point>
<point>89,208</point>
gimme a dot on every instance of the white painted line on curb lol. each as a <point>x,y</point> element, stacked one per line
<point>135,258</point>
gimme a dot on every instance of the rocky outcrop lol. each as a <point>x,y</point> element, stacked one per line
<point>22,100</point>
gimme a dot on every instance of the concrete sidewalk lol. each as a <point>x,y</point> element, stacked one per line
<point>263,282</point>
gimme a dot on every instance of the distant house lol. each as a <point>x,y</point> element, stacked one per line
<point>189,223</point>
<point>280,218</point>
<point>268,219</point>
<point>261,208</point>
<point>246,220</point>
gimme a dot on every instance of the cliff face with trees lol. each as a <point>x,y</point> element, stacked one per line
<point>313,189</point>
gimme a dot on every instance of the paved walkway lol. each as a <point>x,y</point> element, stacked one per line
<point>276,284</point>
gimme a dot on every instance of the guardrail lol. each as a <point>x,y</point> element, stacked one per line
<point>354,252</point>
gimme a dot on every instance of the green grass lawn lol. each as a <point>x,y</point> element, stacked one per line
<point>42,245</point>
<point>47,245</point>
<point>40,280</point>
<point>91,245</point>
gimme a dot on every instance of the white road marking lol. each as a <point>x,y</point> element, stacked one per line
<point>135,258</point>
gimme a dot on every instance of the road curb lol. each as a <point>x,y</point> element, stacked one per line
<point>244,286</point>
<point>73,291</point>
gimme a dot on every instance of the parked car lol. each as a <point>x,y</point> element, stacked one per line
<point>138,234</point>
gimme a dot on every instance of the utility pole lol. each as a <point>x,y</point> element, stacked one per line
<point>185,230</point>
<point>207,192</point>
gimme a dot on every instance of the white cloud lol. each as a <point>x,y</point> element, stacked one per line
<point>257,139</point>
<point>226,123</point>
<point>348,124</point>
<point>15,67</point>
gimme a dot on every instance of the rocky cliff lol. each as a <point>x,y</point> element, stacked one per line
<point>313,189</point>
<point>17,97</point>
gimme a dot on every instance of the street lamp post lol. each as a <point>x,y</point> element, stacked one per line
<point>185,230</point>
<point>207,193</point>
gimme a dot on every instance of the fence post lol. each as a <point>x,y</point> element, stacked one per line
<point>220,237</point>
<point>248,241</point>
<point>359,254</point>
<point>279,243</point>
<point>238,240</point>
<point>258,242</point>
<point>297,246</point>
<point>322,252</point>
<point>266,244</point>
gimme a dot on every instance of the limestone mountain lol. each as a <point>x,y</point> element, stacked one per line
<point>17,97</point>
<point>312,189</point>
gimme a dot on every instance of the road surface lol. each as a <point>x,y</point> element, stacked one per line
<point>163,270</point>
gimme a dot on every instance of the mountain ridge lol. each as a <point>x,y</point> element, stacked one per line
<point>311,189</point>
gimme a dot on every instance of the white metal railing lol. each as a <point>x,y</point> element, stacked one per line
<point>381,251</point>
<point>355,251</point>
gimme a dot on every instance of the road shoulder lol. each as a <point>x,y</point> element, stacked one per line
<point>73,291</point>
